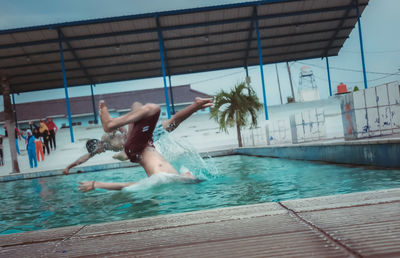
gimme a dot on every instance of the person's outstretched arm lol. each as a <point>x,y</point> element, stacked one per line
<point>91,185</point>
<point>77,162</point>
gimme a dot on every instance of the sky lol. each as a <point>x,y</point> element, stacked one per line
<point>379,22</point>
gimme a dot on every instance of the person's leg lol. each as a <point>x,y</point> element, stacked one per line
<point>46,144</point>
<point>30,157</point>
<point>34,158</point>
<point>37,150</point>
<point>41,153</point>
<point>110,124</point>
<point>180,116</point>
<point>50,141</point>
<point>53,138</point>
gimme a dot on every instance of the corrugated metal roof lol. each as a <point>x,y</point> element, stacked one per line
<point>115,101</point>
<point>195,40</point>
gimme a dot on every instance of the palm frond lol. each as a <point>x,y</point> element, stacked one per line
<point>233,108</point>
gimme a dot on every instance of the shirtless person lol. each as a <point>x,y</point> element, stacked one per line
<point>115,137</point>
<point>139,146</point>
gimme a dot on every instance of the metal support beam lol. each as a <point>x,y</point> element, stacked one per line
<point>338,29</point>
<point>76,58</point>
<point>261,70</point>
<point>94,104</point>
<point>250,36</point>
<point>329,76</point>
<point>361,46</point>
<point>172,95</point>
<point>160,43</point>
<point>65,85</point>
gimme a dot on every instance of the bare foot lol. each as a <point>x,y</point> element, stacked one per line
<point>105,117</point>
<point>121,156</point>
<point>203,102</point>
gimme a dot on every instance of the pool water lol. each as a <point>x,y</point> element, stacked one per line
<point>52,202</point>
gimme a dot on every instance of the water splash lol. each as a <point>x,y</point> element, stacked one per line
<point>157,180</point>
<point>183,156</point>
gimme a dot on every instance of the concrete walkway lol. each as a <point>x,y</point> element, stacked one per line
<point>352,225</point>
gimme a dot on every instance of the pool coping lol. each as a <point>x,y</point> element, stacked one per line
<point>382,153</point>
<point>356,224</point>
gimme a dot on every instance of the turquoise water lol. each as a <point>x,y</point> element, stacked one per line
<point>233,180</point>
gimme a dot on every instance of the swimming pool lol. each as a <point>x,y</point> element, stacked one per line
<point>52,202</point>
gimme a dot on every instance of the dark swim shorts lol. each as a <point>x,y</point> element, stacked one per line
<point>140,136</point>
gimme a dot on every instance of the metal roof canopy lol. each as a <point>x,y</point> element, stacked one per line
<point>194,40</point>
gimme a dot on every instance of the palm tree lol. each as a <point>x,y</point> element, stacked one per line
<point>232,108</point>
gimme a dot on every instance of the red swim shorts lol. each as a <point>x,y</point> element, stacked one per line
<point>140,136</point>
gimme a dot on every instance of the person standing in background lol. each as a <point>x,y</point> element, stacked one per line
<point>44,131</point>
<point>17,136</point>
<point>31,148</point>
<point>52,130</point>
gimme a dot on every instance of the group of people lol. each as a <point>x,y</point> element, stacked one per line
<point>39,139</point>
<point>136,143</point>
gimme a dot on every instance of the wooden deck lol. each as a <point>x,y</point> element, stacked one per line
<point>354,225</point>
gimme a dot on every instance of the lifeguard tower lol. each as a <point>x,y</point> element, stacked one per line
<point>308,90</point>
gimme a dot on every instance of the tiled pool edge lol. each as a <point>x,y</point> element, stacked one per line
<point>381,153</point>
<point>93,168</point>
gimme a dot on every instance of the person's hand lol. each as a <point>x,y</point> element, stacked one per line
<point>86,186</point>
<point>66,171</point>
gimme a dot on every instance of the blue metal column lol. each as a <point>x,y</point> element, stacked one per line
<point>65,86</point>
<point>261,69</point>
<point>247,71</point>
<point>160,42</point>
<point>329,76</point>
<point>14,110</point>
<point>172,95</point>
<point>94,105</point>
<point>361,46</point>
